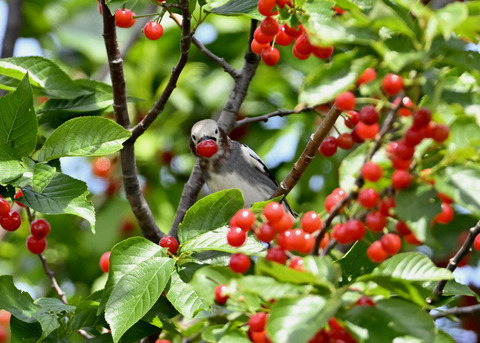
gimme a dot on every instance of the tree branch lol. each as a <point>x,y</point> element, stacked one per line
<point>133,190</point>
<point>226,121</point>
<point>458,311</point>
<point>159,105</point>
<point>454,261</point>
<point>14,24</point>
<point>308,154</point>
<point>387,126</point>
<point>277,113</point>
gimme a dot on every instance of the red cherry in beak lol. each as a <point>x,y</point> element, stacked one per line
<point>207,148</point>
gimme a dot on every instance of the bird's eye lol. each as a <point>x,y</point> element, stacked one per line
<point>194,138</point>
<point>216,131</point>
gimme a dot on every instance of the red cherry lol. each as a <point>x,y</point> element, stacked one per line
<point>265,7</point>
<point>169,242</point>
<point>297,264</point>
<point>297,239</point>
<point>270,56</point>
<point>371,171</point>
<point>422,118</point>
<point>325,240</point>
<point>298,54</point>
<point>236,237</point>
<point>368,75</point>
<point>340,233</point>
<point>345,101</point>
<point>4,334</point>
<point>283,3</point>
<point>403,151</point>
<point>284,240</point>
<point>5,317</point>
<point>18,195</point>
<point>365,131</point>
<point>402,228</point>
<point>376,221</point>
<point>391,243</point>
<point>124,18</point>
<point>260,37</point>
<point>392,84</point>
<point>444,198</point>
<point>345,141</point>
<point>273,211</point>
<point>476,242</point>
<point>400,164</point>
<point>302,45</point>
<point>376,253</point>
<point>265,233</point>
<point>105,261</point>
<point>368,115</point>
<point>329,146</point>
<point>412,239</point>
<point>258,47</point>
<point>4,207</point>
<point>337,195</point>
<point>276,254</point>
<point>102,166</point>
<point>364,301</point>
<point>239,263</point>
<point>153,30</point>
<point>292,31</point>
<point>414,135</point>
<point>355,229</point>
<point>283,38</point>
<point>244,219</point>
<point>12,221</point>
<point>311,222</point>
<point>322,52</point>
<point>368,197</point>
<point>351,120</point>
<point>439,132</point>
<point>207,148</point>
<point>401,179</point>
<point>36,245</point>
<point>163,340</point>
<point>258,321</point>
<point>269,26</point>
<point>40,228</point>
<point>220,294</point>
<point>283,224</point>
<point>446,215</point>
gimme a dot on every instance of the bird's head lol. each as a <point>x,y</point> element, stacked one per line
<point>205,137</point>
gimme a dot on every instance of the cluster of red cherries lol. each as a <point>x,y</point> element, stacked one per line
<point>125,18</point>
<point>271,33</point>
<point>4,326</point>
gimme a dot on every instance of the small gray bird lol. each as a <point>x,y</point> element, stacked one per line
<point>226,163</point>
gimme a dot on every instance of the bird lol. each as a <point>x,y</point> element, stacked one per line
<point>226,163</point>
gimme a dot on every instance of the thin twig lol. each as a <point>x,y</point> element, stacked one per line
<point>457,311</point>
<point>131,183</point>
<point>454,261</point>
<point>159,105</point>
<point>277,113</point>
<point>219,60</point>
<point>308,153</point>
<point>387,126</point>
<point>50,274</point>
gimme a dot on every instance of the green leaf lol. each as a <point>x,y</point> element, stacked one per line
<point>355,262</point>
<point>10,167</point>
<point>63,194</point>
<point>139,272</point>
<point>217,240</point>
<point>42,176</point>
<point>51,310</point>
<point>236,7</point>
<point>18,122</point>
<point>183,296</point>
<point>298,319</point>
<point>411,266</point>
<point>384,16</point>
<point>443,337</point>
<point>43,75</point>
<point>461,182</point>
<point>392,318</point>
<point>20,304</point>
<point>84,136</point>
<point>450,17</point>
<point>267,287</point>
<point>210,212</point>
<point>326,83</point>
<point>418,218</point>
<point>56,111</point>
<point>224,334</point>
<point>23,332</point>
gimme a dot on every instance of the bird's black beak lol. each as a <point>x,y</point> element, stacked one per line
<point>204,138</point>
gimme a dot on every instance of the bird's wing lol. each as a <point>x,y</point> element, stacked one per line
<point>256,161</point>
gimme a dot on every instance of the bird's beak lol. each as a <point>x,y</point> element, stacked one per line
<point>205,138</point>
